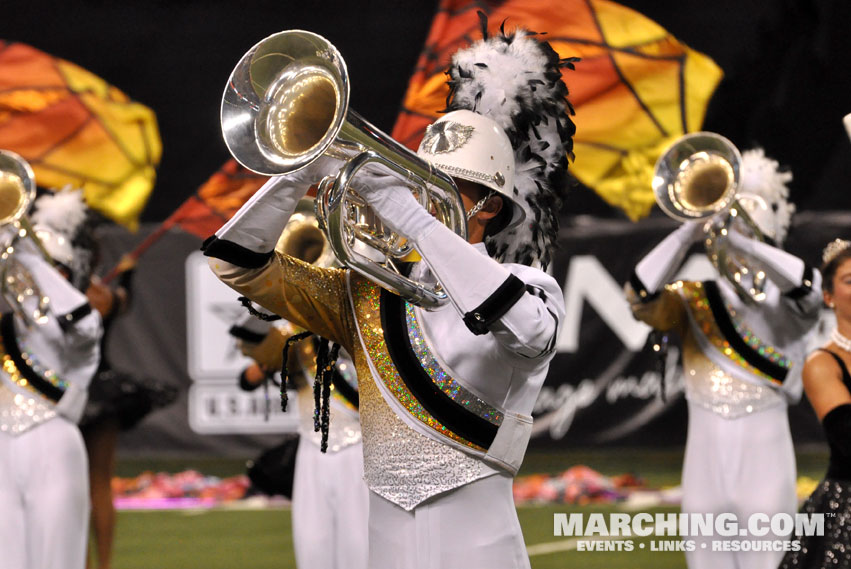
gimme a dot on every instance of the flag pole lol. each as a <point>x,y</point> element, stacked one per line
<point>140,248</point>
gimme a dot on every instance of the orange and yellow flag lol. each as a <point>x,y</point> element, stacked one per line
<point>75,128</point>
<point>636,89</point>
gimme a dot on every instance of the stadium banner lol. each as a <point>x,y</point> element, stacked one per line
<point>604,387</point>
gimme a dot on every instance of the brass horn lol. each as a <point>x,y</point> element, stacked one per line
<point>697,179</point>
<point>697,176</point>
<point>303,238</point>
<point>17,187</point>
<point>285,105</point>
<point>17,191</point>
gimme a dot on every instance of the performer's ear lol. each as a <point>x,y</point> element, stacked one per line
<point>828,298</point>
<point>492,207</point>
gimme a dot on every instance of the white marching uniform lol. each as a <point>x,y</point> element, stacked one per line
<point>330,500</point>
<point>445,395</point>
<point>742,363</point>
<point>44,490</point>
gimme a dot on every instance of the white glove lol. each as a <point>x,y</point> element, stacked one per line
<point>314,172</point>
<point>64,298</point>
<point>259,222</point>
<point>659,266</point>
<point>395,205</point>
<point>784,269</point>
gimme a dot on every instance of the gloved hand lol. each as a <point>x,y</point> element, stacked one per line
<point>690,232</point>
<point>312,173</point>
<point>784,269</point>
<point>394,203</point>
<point>260,221</point>
<point>659,266</point>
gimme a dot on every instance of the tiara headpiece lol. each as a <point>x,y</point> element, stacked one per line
<point>833,249</point>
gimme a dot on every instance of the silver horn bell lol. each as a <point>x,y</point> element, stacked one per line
<point>17,285</point>
<point>697,179</point>
<point>285,105</point>
<point>697,176</point>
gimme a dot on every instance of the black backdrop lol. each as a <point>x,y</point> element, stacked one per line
<point>602,386</point>
<point>786,62</point>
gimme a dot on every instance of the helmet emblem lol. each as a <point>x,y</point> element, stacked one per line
<point>446,136</point>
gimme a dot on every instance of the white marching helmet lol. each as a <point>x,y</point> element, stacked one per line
<point>473,147</point>
<point>57,219</point>
<point>56,244</point>
<point>764,194</point>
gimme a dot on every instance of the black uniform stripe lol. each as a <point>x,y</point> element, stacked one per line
<point>455,417</point>
<point>640,289</point>
<point>495,306</point>
<point>65,322</point>
<point>806,286</point>
<point>7,329</point>
<point>234,254</point>
<point>728,330</point>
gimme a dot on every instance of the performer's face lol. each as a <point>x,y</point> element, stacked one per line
<point>471,193</point>
<point>840,296</point>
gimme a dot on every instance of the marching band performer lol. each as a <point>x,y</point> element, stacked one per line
<point>445,395</point>
<point>742,360</point>
<point>47,365</point>
<point>330,501</point>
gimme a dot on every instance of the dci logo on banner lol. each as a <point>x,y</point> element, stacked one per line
<point>216,403</point>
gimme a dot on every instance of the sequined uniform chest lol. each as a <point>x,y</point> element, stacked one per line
<point>400,464</point>
<point>713,388</point>
<point>29,389</point>
<point>408,455</point>
<point>738,359</point>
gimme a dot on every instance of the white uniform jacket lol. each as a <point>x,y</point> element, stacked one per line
<point>441,406</point>
<point>47,366</point>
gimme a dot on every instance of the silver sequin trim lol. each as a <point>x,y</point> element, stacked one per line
<point>403,466</point>
<point>443,380</point>
<point>21,411</point>
<point>714,389</point>
<point>469,173</point>
<point>343,429</point>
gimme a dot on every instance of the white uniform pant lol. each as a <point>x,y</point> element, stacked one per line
<point>330,508</point>
<point>44,498</point>
<point>472,527</point>
<point>741,466</point>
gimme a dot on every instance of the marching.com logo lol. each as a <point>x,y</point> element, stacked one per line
<point>718,532</point>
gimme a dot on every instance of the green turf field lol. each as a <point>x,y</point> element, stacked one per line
<point>249,539</point>
<point>228,539</point>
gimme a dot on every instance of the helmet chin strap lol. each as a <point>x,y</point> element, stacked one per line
<point>479,205</point>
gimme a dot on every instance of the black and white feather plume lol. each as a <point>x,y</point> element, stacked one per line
<point>65,225</point>
<point>515,80</point>
<point>63,211</point>
<point>764,177</point>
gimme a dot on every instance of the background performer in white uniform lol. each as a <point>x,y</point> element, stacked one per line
<point>47,366</point>
<point>445,395</point>
<point>742,361</point>
<point>330,501</point>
